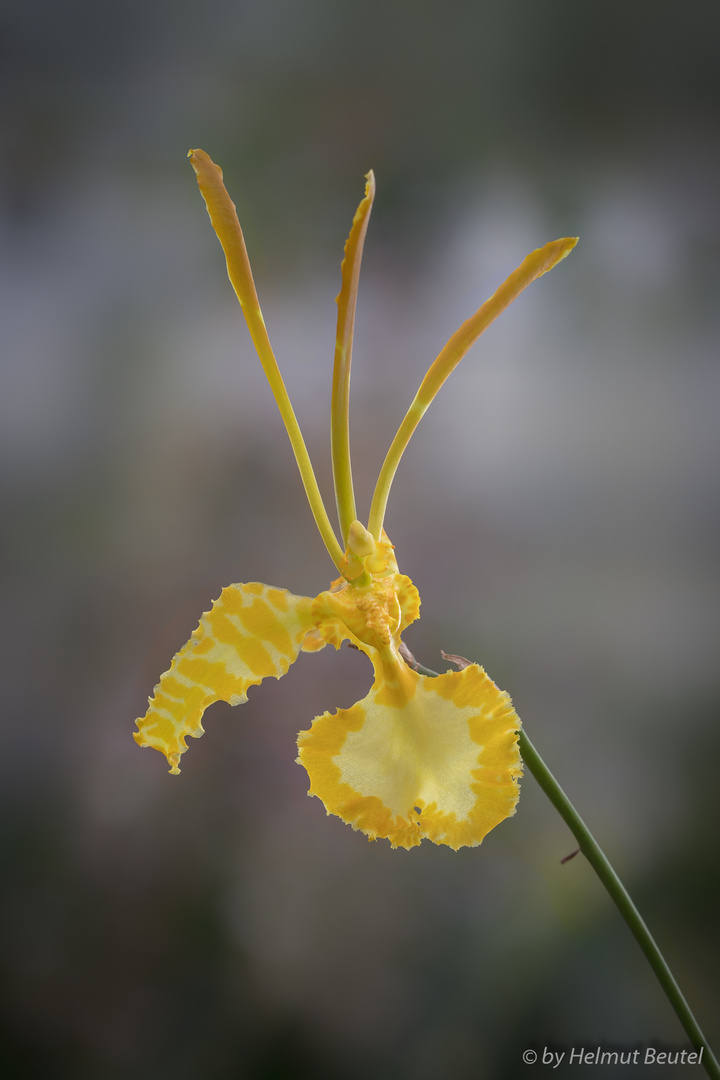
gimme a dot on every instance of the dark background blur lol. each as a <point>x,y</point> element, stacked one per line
<point>558,509</point>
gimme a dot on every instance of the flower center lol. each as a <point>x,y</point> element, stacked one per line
<point>366,558</point>
<point>371,603</point>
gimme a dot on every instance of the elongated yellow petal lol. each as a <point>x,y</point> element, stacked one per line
<point>419,757</point>
<point>346,302</point>
<point>224,219</point>
<point>252,632</point>
<point>532,267</point>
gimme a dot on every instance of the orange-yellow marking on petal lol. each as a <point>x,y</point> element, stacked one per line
<point>251,633</point>
<point>313,641</point>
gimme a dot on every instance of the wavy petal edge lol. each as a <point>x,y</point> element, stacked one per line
<point>462,732</point>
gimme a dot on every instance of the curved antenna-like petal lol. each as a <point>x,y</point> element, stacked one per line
<point>223,216</point>
<point>419,757</point>
<point>340,411</point>
<point>251,633</point>
<point>533,266</point>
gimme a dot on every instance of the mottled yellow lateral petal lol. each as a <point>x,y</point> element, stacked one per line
<point>252,632</point>
<point>419,758</point>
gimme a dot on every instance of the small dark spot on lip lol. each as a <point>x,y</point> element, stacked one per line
<point>418,810</point>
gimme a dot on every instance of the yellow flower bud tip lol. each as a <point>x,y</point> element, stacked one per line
<point>360,542</point>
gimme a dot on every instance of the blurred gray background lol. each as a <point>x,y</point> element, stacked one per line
<point>558,510</point>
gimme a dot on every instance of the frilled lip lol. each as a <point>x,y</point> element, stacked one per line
<point>441,761</point>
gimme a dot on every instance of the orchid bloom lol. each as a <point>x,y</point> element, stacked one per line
<point>419,756</point>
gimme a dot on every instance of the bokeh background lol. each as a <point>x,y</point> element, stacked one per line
<point>558,509</point>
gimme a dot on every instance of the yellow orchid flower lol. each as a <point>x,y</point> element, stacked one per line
<point>418,757</point>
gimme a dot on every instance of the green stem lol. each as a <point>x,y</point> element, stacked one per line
<point>619,894</point>
<point>602,867</point>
